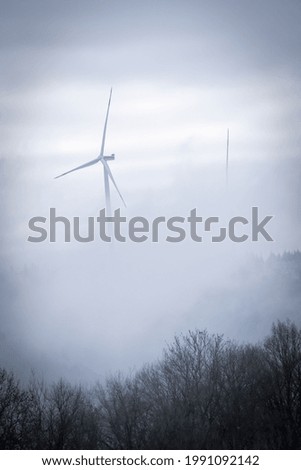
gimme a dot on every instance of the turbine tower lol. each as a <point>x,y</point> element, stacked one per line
<point>227,157</point>
<point>106,169</point>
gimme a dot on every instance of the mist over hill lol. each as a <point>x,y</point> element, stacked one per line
<point>257,294</point>
<point>241,307</point>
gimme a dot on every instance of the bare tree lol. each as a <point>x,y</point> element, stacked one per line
<point>283,401</point>
<point>14,412</point>
<point>122,411</point>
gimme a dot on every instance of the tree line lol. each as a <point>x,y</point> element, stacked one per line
<point>205,393</point>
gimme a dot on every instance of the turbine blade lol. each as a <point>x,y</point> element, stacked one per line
<point>105,127</point>
<point>227,156</point>
<point>107,169</point>
<point>92,162</point>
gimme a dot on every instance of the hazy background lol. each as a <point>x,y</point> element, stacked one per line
<point>182,73</point>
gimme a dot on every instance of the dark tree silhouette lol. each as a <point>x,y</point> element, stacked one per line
<point>205,393</point>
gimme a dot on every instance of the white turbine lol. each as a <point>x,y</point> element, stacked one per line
<point>227,156</point>
<point>106,169</point>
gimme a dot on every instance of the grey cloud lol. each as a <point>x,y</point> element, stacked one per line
<point>191,40</point>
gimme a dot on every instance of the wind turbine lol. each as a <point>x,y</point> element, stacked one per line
<point>106,169</point>
<point>227,157</point>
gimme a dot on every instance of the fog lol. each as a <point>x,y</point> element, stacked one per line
<point>182,73</point>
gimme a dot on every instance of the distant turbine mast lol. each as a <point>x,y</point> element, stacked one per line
<point>227,157</point>
<point>106,169</point>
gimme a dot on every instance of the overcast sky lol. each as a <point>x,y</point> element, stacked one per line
<point>182,72</point>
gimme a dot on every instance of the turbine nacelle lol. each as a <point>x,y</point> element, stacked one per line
<point>109,157</point>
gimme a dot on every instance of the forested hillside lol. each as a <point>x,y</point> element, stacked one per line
<point>205,393</point>
<point>256,295</point>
